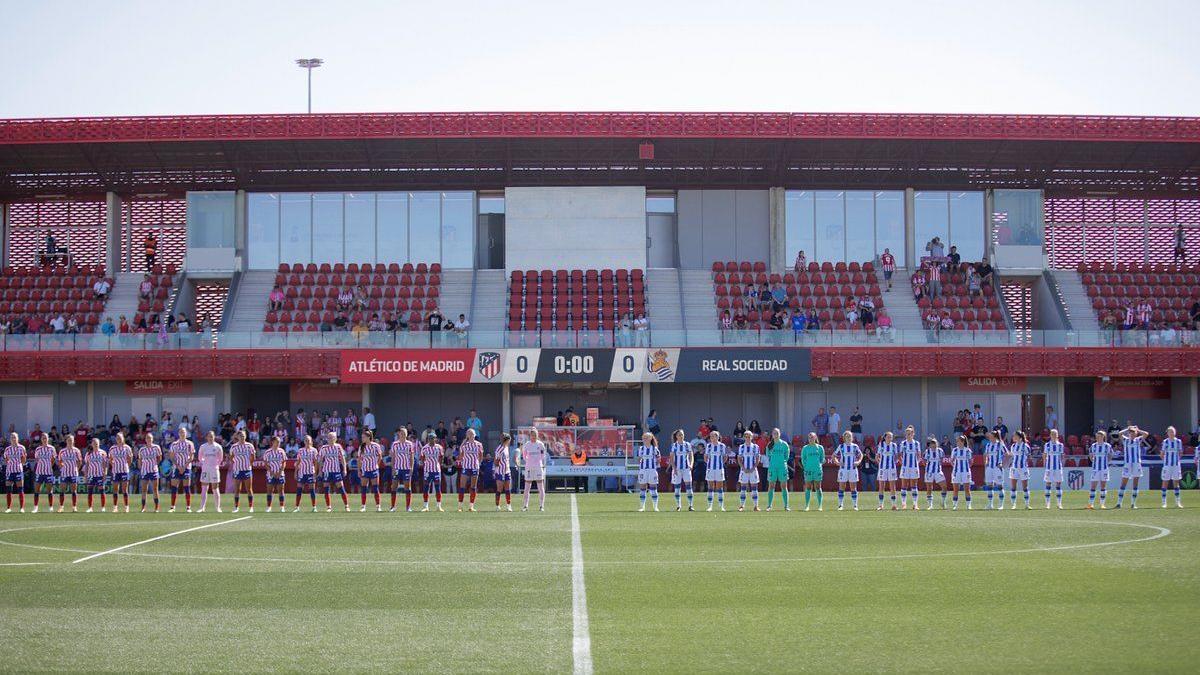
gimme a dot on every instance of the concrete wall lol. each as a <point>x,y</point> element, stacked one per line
<point>575,227</point>
<point>681,406</point>
<point>397,404</point>
<point>885,404</point>
<point>1047,314</point>
<point>67,404</point>
<point>723,225</point>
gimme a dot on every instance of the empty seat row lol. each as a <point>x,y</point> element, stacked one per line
<point>804,291</point>
<point>1189,280</point>
<point>760,278</point>
<point>353,280</point>
<point>760,266</point>
<point>356,268</point>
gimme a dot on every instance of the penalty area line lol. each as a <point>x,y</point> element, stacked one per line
<point>158,538</point>
<point>581,641</point>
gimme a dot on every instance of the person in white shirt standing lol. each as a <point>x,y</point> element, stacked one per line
<point>534,458</point>
<point>368,420</point>
<point>835,421</point>
<point>211,456</point>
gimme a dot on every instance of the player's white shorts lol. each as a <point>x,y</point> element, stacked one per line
<point>847,475</point>
<point>910,473</point>
<point>647,477</point>
<point>935,477</point>
<point>1131,471</point>
<point>210,475</point>
<point>1018,474</point>
<point>539,473</point>
<point>1052,475</point>
<point>748,477</point>
<point>1099,475</point>
<point>714,475</point>
<point>678,477</point>
<point>993,475</point>
<point>1172,472</point>
<point>886,474</point>
<point>961,478</point>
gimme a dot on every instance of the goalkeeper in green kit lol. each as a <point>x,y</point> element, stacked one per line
<point>812,458</point>
<point>778,455</point>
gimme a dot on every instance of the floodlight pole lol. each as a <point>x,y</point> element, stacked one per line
<point>309,64</point>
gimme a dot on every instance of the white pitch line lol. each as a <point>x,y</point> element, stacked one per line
<point>159,537</point>
<point>581,638</point>
<point>25,564</point>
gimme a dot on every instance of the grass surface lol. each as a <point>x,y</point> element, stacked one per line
<point>733,592</point>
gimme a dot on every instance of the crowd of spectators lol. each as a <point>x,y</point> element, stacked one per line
<point>1133,324</point>
<point>927,283</point>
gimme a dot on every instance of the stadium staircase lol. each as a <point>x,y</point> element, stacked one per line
<point>906,316</point>
<point>123,300</point>
<point>1075,300</point>
<point>487,313</point>
<point>699,312</point>
<point>662,301</point>
<point>455,296</point>
<point>249,305</point>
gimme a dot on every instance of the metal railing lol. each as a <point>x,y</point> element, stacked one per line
<point>1154,339</point>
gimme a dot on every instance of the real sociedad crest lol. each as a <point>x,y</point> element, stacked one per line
<point>658,362</point>
<point>489,364</point>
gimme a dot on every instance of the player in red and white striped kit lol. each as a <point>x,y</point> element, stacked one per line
<point>120,455</point>
<point>183,453</point>
<point>274,458</point>
<point>404,451</point>
<point>502,471</point>
<point>149,457</point>
<point>69,459</point>
<point>333,469</point>
<point>95,466</point>
<point>14,470</point>
<point>44,457</point>
<point>241,463</point>
<point>431,464</point>
<point>369,455</point>
<point>306,473</point>
<point>470,453</point>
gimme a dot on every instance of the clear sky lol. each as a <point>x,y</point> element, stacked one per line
<point>121,57</point>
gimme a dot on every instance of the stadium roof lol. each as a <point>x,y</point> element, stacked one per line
<point>1064,154</point>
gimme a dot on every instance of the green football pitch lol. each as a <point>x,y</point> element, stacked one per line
<point>667,592</point>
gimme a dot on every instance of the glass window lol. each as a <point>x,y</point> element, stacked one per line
<point>327,229</point>
<point>831,226</point>
<point>889,225</point>
<point>458,229</point>
<point>210,219</point>
<point>424,218</point>
<point>660,204</point>
<point>966,224</point>
<point>360,228</point>
<point>491,204</point>
<point>392,231</point>
<point>295,227</point>
<point>798,224</point>
<point>860,226</point>
<point>262,231</point>
<point>1017,217</point>
<point>932,220</point>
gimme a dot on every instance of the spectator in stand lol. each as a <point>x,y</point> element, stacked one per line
<point>918,284</point>
<point>936,249</point>
<point>856,420</point>
<point>108,328</point>
<point>360,298</point>
<point>146,288</point>
<point>150,245</point>
<point>813,321</point>
<point>344,298</point>
<point>778,298</point>
<point>36,324</point>
<point>1180,252</point>
<point>101,289</point>
<point>974,287</point>
<point>820,423</point>
<point>979,432</point>
<point>776,324</point>
<point>571,417</point>
<point>1194,313</point>
<point>376,325</point>
<point>985,271</point>
<point>799,323</point>
<point>835,422</point>
<point>888,262</point>
<point>641,330</point>
<point>934,274</point>
<point>1051,418</point>
<point>726,321</point>
<point>58,324</point>
<point>765,299</point>
<point>435,320</point>
<point>740,322</point>
<point>947,322</point>
<point>954,257</point>
<point>5,325</point>
<point>750,293</point>
<point>851,313</point>
<point>883,325</point>
<point>460,328</point>
<point>474,422</point>
<point>801,262</point>
<point>360,330</point>
<point>1001,428</point>
<point>73,325</point>
<point>276,299</point>
<point>340,322</point>
<point>867,311</point>
<point>869,469</point>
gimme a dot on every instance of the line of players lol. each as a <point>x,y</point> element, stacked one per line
<point>321,468</point>
<point>900,465</point>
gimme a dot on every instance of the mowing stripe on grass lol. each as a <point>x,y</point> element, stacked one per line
<point>159,537</point>
<point>581,639</point>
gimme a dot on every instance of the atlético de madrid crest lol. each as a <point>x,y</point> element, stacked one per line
<point>489,364</point>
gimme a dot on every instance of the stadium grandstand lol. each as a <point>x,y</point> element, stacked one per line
<point>735,266</point>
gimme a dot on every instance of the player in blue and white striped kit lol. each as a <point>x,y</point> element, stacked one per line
<point>1099,452</point>
<point>934,457</point>
<point>847,457</point>
<point>648,456</point>
<point>749,458</point>
<point>960,473</point>
<point>682,461</point>
<point>715,456</point>
<point>1052,464</point>
<point>888,453</point>
<point>993,473</point>
<point>910,468</point>
<point>1133,440</point>
<point>1018,470</point>
<point>1172,465</point>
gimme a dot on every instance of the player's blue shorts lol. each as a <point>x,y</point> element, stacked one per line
<point>402,475</point>
<point>370,475</point>
<point>96,481</point>
<point>69,480</point>
<point>182,475</point>
<point>242,475</point>
<point>385,474</point>
<point>432,477</point>
<point>306,479</point>
<point>333,477</point>
<point>470,472</point>
<point>15,477</point>
<point>44,479</point>
<point>274,480</point>
<point>122,477</point>
<point>500,476</point>
<point>150,476</point>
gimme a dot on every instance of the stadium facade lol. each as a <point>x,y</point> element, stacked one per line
<point>546,230</point>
